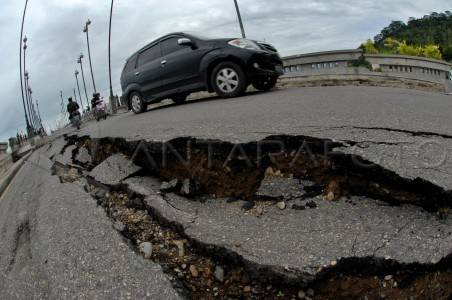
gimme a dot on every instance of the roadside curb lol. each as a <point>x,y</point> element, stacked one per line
<point>4,182</point>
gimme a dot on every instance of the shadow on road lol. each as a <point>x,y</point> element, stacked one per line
<point>206,99</point>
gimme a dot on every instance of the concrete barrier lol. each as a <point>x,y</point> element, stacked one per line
<point>8,176</point>
<point>337,65</point>
<point>5,163</point>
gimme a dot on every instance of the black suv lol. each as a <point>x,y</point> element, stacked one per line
<point>178,64</point>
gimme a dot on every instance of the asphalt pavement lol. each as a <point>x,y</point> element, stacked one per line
<point>56,242</point>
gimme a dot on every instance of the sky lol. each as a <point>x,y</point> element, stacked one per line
<point>55,37</point>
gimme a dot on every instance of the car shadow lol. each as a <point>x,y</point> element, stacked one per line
<point>195,101</point>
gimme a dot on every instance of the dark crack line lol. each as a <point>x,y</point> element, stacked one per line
<point>173,206</point>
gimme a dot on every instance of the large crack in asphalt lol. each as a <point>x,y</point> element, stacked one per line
<point>196,168</point>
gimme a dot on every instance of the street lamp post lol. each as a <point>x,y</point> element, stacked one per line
<point>86,30</point>
<point>240,19</point>
<point>32,109</point>
<point>27,86</point>
<point>78,87</point>
<point>39,116</point>
<point>62,102</point>
<point>28,98</point>
<point>112,100</point>
<point>75,97</point>
<point>20,69</point>
<point>80,61</point>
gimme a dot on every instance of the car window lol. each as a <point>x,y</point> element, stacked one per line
<point>170,45</point>
<point>149,55</point>
<point>130,65</point>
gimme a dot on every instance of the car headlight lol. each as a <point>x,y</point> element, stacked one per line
<point>244,44</point>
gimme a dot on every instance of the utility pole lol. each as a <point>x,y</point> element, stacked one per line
<point>112,100</point>
<point>83,75</point>
<point>240,19</point>
<point>20,69</point>
<point>86,30</point>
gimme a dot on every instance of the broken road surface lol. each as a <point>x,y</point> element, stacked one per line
<point>57,244</point>
<point>274,200</point>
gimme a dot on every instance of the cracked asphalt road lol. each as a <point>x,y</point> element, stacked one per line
<point>306,241</point>
<point>57,244</point>
<point>362,114</point>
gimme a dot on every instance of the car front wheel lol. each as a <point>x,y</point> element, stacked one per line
<point>137,103</point>
<point>229,80</point>
<point>265,84</point>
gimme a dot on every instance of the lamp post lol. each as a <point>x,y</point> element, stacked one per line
<point>39,116</point>
<point>80,61</point>
<point>78,87</point>
<point>32,110</point>
<point>86,30</point>
<point>240,19</point>
<point>27,86</point>
<point>20,69</point>
<point>112,100</point>
<point>62,102</point>
<point>28,98</point>
<point>75,97</point>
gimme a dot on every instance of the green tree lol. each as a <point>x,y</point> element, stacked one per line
<point>369,47</point>
<point>447,53</point>
<point>433,29</point>
<point>432,51</point>
<point>404,49</point>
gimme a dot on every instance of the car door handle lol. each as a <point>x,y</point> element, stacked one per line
<point>137,74</point>
<point>163,62</point>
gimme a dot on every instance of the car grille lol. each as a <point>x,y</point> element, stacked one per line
<point>267,47</point>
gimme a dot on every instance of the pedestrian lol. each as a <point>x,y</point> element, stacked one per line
<point>72,108</point>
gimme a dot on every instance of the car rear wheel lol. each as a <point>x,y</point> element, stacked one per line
<point>228,80</point>
<point>137,103</point>
<point>179,99</point>
<point>265,84</point>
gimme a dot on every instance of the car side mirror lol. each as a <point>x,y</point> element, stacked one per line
<point>186,42</point>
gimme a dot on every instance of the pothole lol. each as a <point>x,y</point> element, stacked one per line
<point>223,169</point>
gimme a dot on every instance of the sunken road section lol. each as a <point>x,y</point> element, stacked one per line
<point>196,168</point>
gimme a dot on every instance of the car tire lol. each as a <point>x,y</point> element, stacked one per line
<point>229,80</point>
<point>265,84</point>
<point>179,99</point>
<point>137,103</point>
